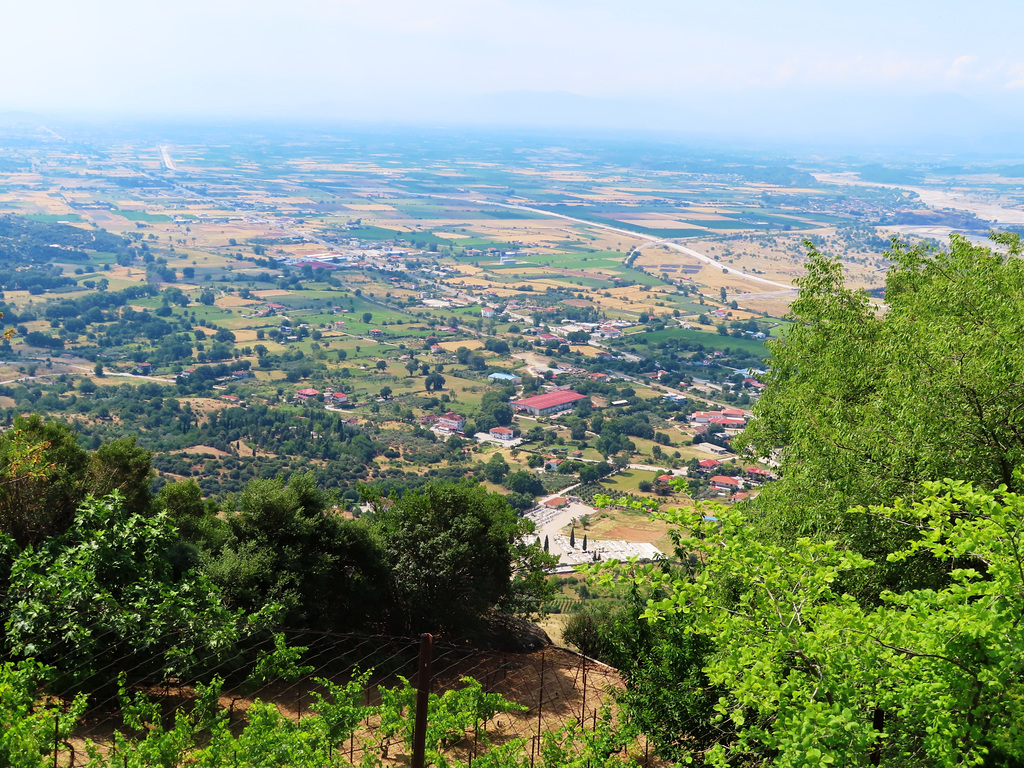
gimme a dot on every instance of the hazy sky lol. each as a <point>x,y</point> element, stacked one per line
<point>780,68</point>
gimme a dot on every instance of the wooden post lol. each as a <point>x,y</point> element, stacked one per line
<point>540,695</point>
<point>419,736</point>
<point>583,705</point>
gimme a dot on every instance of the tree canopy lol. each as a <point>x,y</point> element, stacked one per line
<point>454,552</point>
<point>864,403</point>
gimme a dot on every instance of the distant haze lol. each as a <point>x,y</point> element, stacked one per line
<point>936,74</point>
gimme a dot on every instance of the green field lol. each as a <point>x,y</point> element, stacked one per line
<point>149,218</point>
<point>709,340</point>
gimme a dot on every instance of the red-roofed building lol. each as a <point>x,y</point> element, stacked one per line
<point>709,463</point>
<point>726,483</point>
<point>502,433</point>
<point>725,417</point>
<point>304,394</point>
<point>453,421</point>
<point>728,423</point>
<point>556,502</point>
<point>552,402</point>
<point>376,333</point>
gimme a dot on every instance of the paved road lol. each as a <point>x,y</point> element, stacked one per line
<point>652,239</point>
<point>165,156</point>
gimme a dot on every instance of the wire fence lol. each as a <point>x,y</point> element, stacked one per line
<point>556,688</point>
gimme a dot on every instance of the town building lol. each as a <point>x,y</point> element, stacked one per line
<point>502,433</point>
<point>726,483</point>
<point>304,394</point>
<point>453,421</point>
<point>548,404</point>
<point>504,378</point>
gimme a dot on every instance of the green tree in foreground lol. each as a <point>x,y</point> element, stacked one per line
<point>104,596</point>
<point>810,677</point>
<point>864,404</point>
<point>454,552</point>
<point>285,546</point>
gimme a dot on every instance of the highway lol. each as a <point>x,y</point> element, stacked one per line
<point>651,239</point>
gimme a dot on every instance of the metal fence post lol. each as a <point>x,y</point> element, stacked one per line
<point>419,736</point>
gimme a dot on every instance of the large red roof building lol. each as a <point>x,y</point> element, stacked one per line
<point>545,405</point>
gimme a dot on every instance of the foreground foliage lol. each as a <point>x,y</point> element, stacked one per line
<point>865,403</point>
<point>807,676</point>
<point>204,734</point>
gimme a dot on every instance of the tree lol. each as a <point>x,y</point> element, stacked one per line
<point>381,365</point>
<point>496,468</point>
<point>44,476</point>
<point>577,428</point>
<point>385,392</point>
<point>524,482</point>
<point>806,675</point>
<point>367,317</point>
<point>121,465</point>
<point>281,547</point>
<point>455,551</point>
<point>572,537</point>
<point>863,406</point>
<point>81,596</point>
<point>98,369</point>
<point>183,503</point>
<point>434,381</point>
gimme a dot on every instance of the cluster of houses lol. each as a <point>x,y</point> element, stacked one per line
<point>330,398</point>
<point>450,423</point>
<point>734,485</point>
<point>728,418</point>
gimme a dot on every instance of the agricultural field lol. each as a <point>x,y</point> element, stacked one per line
<point>359,290</point>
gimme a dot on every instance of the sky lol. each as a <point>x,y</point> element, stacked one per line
<point>795,70</point>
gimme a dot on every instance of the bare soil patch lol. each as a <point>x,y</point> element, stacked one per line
<point>202,449</point>
<point>633,534</point>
